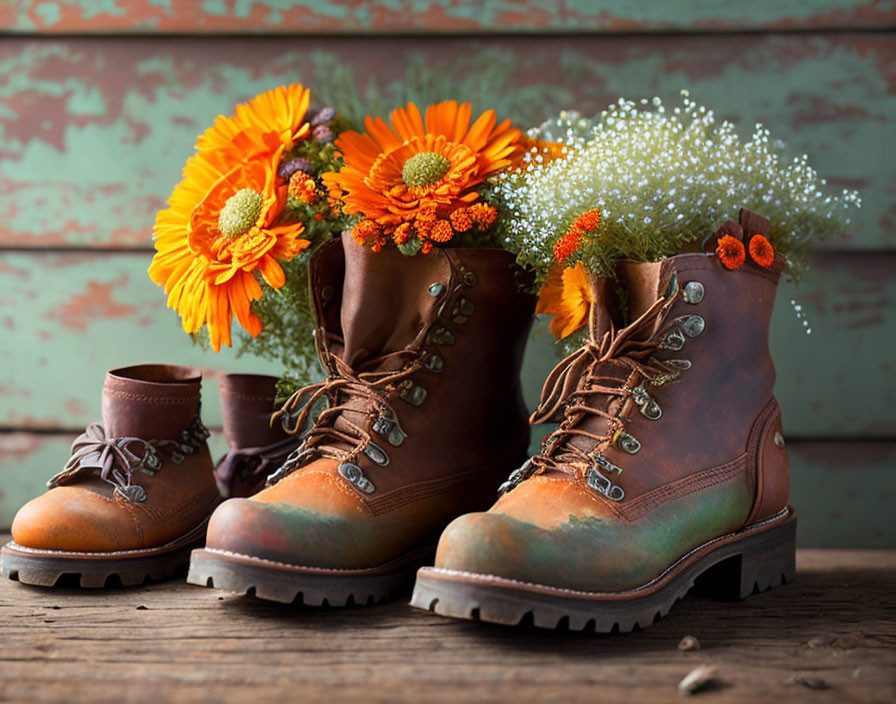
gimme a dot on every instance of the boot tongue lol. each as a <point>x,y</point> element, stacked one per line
<point>150,401</point>
<point>387,298</point>
<point>641,282</point>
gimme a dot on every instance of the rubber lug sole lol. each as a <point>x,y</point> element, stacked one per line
<point>92,571</point>
<point>750,561</point>
<point>309,586</point>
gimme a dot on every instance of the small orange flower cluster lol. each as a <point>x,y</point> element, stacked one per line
<point>303,187</point>
<point>427,227</point>
<point>586,224</point>
<point>733,254</point>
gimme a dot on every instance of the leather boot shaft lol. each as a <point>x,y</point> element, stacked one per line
<point>256,446</point>
<point>150,400</point>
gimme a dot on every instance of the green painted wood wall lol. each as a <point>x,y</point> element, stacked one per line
<point>100,101</point>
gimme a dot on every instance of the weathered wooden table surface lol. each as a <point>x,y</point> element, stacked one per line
<point>834,627</point>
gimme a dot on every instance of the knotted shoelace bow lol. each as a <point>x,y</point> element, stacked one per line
<point>116,459</point>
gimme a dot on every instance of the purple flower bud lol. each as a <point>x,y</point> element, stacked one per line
<point>322,134</point>
<point>288,168</point>
<point>325,116</point>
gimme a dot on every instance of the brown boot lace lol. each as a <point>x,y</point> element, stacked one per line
<point>118,459</point>
<point>619,367</point>
<point>340,389</point>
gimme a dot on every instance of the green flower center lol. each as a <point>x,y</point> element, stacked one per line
<point>240,213</point>
<point>424,168</point>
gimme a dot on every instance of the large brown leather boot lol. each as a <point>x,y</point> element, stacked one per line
<point>424,417</point>
<point>134,497</point>
<point>668,465</point>
<point>256,446</point>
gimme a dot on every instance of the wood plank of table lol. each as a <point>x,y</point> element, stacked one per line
<point>437,16</point>
<point>95,131</point>
<point>834,627</point>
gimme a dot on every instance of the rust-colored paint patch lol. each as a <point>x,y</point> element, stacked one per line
<point>96,302</point>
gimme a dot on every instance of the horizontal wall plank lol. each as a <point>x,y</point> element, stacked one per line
<point>438,16</point>
<point>66,318</point>
<point>844,492</point>
<point>93,133</point>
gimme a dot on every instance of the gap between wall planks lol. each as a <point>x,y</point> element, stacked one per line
<point>439,16</point>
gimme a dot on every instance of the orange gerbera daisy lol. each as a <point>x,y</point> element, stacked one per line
<point>567,296</point>
<point>280,111</point>
<point>420,170</point>
<point>221,225</point>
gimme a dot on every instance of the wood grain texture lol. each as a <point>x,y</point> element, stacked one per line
<point>176,643</point>
<point>437,16</point>
<point>94,132</point>
<point>844,492</point>
<point>68,317</point>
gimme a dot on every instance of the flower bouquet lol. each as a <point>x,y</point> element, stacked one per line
<point>642,182</point>
<point>239,228</point>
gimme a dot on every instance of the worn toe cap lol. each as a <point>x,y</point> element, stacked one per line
<point>73,519</point>
<point>288,534</point>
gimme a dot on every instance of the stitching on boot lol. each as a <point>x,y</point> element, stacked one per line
<point>151,399</point>
<point>417,492</point>
<point>248,397</point>
<point>688,485</point>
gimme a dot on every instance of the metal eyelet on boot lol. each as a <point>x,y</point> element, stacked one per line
<point>434,363</point>
<point>649,408</point>
<point>516,477</point>
<point>413,393</point>
<point>376,454</point>
<point>627,442</point>
<point>134,493</point>
<point>468,277</point>
<point>151,460</point>
<point>390,429</point>
<point>693,292</point>
<point>603,485</point>
<point>693,325</point>
<point>683,364</point>
<point>441,336</point>
<point>352,473</point>
<point>462,310</point>
<point>674,341</point>
<point>779,439</point>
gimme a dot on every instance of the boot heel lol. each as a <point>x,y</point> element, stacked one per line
<point>764,561</point>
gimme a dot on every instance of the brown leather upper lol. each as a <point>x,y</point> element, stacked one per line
<point>705,455</point>
<point>434,342</point>
<point>256,445</point>
<point>150,404</point>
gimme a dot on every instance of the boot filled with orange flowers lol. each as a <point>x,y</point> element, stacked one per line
<point>421,325</point>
